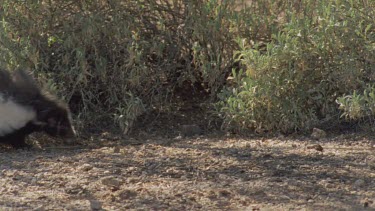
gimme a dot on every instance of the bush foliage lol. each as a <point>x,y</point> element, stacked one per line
<point>320,51</point>
<point>269,64</point>
<point>117,59</point>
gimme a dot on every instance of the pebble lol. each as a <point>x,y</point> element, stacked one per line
<point>86,167</point>
<point>110,181</point>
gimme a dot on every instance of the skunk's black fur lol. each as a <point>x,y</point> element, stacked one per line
<point>29,110</point>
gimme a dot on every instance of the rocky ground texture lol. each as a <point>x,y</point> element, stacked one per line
<point>213,172</point>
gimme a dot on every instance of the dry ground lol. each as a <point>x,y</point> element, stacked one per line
<point>216,172</point>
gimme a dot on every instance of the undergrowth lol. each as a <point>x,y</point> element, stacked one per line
<point>265,65</point>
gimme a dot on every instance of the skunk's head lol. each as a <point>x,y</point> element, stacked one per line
<point>52,115</point>
<point>54,118</point>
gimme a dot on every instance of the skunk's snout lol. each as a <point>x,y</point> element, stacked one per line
<point>70,137</point>
<point>71,134</point>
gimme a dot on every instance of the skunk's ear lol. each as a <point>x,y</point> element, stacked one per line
<point>25,81</point>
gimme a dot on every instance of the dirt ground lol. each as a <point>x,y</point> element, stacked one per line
<point>211,172</point>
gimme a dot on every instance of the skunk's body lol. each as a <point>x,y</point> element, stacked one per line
<point>25,109</point>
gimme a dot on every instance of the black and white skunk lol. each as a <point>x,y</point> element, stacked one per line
<point>25,108</point>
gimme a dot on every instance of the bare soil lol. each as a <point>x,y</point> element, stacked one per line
<point>212,172</point>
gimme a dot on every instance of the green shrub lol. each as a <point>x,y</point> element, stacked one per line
<point>358,106</point>
<point>320,52</point>
<point>113,60</point>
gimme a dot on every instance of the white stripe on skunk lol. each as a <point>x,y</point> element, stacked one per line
<point>13,116</point>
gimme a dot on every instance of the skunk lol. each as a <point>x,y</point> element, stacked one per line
<point>25,108</point>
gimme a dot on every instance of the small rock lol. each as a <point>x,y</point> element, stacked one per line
<point>111,182</point>
<point>317,147</point>
<point>190,130</point>
<point>318,134</point>
<point>95,205</point>
<point>86,167</point>
<point>359,183</point>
